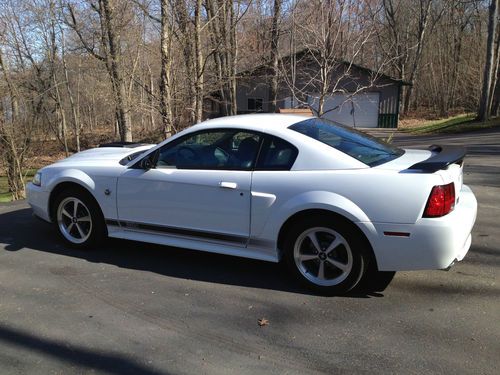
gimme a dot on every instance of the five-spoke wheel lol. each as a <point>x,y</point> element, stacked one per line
<point>74,220</point>
<point>323,256</point>
<point>78,218</point>
<point>326,254</point>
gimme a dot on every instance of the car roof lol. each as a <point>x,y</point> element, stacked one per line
<point>313,154</point>
<point>255,121</point>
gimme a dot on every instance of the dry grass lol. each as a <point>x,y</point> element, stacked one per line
<point>455,124</point>
<point>410,123</point>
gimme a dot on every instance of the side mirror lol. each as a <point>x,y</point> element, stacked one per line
<point>146,163</point>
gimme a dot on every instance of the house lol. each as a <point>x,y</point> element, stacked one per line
<point>357,96</point>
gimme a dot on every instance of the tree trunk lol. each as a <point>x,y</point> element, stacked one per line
<point>120,91</point>
<point>494,78</point>
<point>151,100</point>
<point>273,92</point>
<point>14,161</point>
<point>166,62</point>
<point>483,114</point>
<point>61,114</point>
<point>232,56</point>
<point>76,123</point>
<point>496,101</point>
<point>185,35</point>
<point>198,64</point>
<point>10,87</point>
<point>14,168</point>
<point>221,20</point>
<point>422,28</point>
<point>216,38</point>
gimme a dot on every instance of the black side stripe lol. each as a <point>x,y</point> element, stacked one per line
<point>179,231</point>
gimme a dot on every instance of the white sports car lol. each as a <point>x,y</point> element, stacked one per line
<point>339,207</point>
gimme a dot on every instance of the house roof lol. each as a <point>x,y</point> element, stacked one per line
<point>264,68</point>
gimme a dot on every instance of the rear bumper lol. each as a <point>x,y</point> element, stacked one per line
<point>433,243</point>
<point>38,199</point>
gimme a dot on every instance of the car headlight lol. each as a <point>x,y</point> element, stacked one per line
<point>37,179</point>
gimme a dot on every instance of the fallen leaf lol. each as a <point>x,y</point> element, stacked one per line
<point>263,322</point>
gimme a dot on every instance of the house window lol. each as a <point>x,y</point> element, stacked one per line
<point>254,104</point>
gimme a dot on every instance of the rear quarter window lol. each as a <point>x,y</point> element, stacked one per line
<point>360,146</point>
<point>276,155</point>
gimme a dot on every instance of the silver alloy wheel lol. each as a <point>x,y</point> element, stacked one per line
<point>323,256</point>
<point>74,220</point>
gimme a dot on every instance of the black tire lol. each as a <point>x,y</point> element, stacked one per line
<point>298,245</point>
<point>94,230</point>
<point>374,280</point>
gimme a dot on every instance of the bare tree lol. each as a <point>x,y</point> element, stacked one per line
<point>397,32</point>
<point>223,17</point>
<point>74,110</point>
<point>199,62</point>
<point>53,65</point>
<point>333,35</point>
<point>166,63</point>
<point>402,38</point>
<point>424,7</point>
<point>494,104</point>
<point>485,103</point>
<point>15,137</point>
<point>111,48</point>
<point>274,60</point>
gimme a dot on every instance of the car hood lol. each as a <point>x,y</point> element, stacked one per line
<point>104,155</point>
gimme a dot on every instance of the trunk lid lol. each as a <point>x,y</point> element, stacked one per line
<point>405,161</point>
<point>444,161</point>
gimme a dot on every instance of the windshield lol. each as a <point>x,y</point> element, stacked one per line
<point>363,147</point>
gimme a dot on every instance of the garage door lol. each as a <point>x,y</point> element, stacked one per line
<point>360,110</point>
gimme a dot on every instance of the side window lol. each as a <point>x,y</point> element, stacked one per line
<point>215,149</point>
<point>277,155</point>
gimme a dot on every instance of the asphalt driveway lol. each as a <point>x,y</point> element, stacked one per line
<point>132,308</point>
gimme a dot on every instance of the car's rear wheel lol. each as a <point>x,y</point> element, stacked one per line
<point>79,219</point>
<point>326,255</point>
<point>374,280</point>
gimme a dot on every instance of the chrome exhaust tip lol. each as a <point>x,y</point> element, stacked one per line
<point>451,265</point>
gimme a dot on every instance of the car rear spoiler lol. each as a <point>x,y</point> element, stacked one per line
<point>443,157</point>
<point>122,144</point>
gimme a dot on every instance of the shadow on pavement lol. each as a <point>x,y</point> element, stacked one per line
<point>112,363</point>
<point>19,230</point>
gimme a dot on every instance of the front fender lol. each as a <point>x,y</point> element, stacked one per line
<point>72,175</point>
<point>102,188</point>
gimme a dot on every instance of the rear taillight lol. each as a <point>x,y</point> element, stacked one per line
<point>441,201</point>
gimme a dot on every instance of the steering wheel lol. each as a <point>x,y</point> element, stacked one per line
<point>186,155</point>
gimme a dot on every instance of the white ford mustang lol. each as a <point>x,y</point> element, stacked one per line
<point>339,207</point>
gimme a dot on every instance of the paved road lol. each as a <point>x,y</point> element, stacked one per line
<point>131,308</point>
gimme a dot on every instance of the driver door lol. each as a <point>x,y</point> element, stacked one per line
<point>198,188</point>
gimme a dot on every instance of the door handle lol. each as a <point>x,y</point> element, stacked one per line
<point>228,185</point>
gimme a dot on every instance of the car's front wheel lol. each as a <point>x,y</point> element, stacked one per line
<point>326,255</point>
<point>79,219</point>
